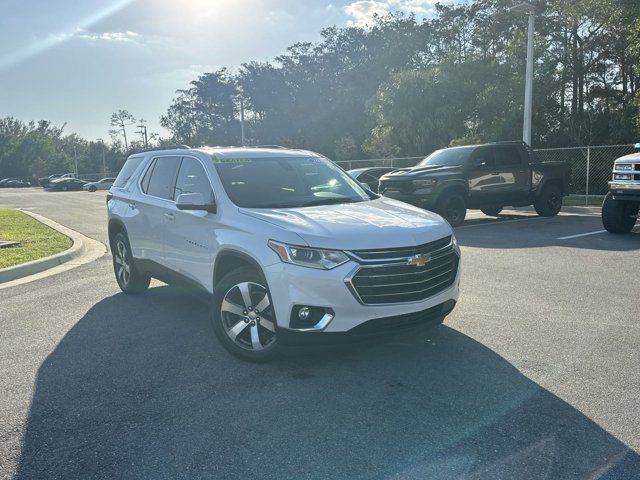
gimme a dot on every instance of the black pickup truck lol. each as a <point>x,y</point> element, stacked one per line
<point>487,177</point>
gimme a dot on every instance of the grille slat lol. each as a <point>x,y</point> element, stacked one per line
<point>388,280</point>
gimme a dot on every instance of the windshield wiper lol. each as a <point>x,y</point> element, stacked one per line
<point>329,201</point>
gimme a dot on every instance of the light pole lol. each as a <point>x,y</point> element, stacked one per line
<point>104,162</point>
<point>528,88</point>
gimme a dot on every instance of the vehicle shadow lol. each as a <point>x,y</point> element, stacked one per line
<point>140,389</point>
<point>508,231</point>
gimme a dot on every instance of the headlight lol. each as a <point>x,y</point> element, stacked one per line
<point>623,166</point>
<point>428,182</point>
<point>308,257</point>
<point>454,239</point>
<point>621,176</point>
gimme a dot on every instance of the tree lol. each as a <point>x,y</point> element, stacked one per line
<point>121,119</point>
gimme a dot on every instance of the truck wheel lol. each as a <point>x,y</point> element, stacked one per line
<point>617,216</point>
<point>549,202</point>
<point>493,211</point>
<point>453,207</point>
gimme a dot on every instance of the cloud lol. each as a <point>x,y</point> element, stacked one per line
<point>108,36</point>
<point>363,11</point>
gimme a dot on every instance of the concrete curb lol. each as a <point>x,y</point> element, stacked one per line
<point>83,250</point>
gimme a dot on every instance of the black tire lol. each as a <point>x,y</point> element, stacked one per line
<point>249,323</point>
<point>617,216</point>
<point>492,211</point>
<point>92,188</point>
<point>549,202</point>
<point>132,281</point>
<point>453,207</point>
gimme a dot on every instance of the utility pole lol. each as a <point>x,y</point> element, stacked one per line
<point>104,160</point>
<point>528,89</point>
<point>241,121</point>
<point>143,133</point>
<point>75,158</point>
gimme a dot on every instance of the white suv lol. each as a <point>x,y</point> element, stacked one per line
<point>290,246</point>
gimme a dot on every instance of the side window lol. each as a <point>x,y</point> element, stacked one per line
<point>128,169</point>
<point>147,176</point>
<point>507,157</point>
<point>193,179</point>
<point>161,181</point>
<point>482,158</point>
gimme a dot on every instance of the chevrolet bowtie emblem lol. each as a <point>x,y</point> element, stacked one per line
<point>419,260</point>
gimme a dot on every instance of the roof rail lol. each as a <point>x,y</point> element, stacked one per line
<point>166,147</point>
<point>266,146</point>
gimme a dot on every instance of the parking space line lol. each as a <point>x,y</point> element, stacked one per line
<point>498,223</point>
<point>581,235</point>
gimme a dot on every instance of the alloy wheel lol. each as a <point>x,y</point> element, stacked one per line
<point>247,316</point>
<point>122,265</point>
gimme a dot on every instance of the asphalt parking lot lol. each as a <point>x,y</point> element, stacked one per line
<point>534,375</point>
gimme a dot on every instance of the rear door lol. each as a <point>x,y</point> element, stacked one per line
<point>191,234</point>
<point>154,207</point>
<point>513,172</point>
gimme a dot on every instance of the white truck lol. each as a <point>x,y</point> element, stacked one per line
<point>621,205</point>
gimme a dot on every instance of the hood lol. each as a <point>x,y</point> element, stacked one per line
<point>380,223</point>
<point>423,171</point>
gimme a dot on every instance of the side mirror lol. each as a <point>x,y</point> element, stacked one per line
<point>194,201</point>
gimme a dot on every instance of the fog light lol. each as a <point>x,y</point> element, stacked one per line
<point>304,313</point>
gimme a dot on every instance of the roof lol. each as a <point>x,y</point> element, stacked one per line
<point>255,152</point>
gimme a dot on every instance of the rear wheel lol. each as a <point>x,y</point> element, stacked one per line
<point>128,278</point>
<point>453,207</point>
<point>549,202</point>
<point>492,211</point>
<point>92,188</point>
<point>617,216</point>
<point>243,317</point>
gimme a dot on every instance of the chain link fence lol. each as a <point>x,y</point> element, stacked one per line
<point>590,166</point>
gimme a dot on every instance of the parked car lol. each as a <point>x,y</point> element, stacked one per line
<point>45,181</point>
<point>487,177</point>
<point>290,247</point>
<point>64,184</point>
<point>4,181</point>
<point>15,184</point>
<point>104,184</point>
<point>622,203</point>
<point>370,175</point>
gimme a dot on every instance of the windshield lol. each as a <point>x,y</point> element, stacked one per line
<point>448,157</point>
<point>286,182</point>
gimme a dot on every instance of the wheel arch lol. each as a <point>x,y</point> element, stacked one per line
<point>556,182</point>
<point>115,226</point>
<point>228,260</point>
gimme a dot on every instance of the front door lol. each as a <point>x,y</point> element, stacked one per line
<point>190,234</point>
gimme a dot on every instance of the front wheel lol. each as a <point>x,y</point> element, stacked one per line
<point>243,318</point>
<point>128,278</point>
<point>92,188</point>
<point>453,207</point>
<point>617,216</point>
<point>492,211</point>
<point>549,202</point>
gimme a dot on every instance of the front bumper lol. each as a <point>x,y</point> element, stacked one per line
<point>292,285</point>
<point>625,190</point>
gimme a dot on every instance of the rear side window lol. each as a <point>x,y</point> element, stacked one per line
<point>193,179</point>
<point>507,156</point>
<point>483,157</point>
<point>128,169</point>
<point>162,176</point>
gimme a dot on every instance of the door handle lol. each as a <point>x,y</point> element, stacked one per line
<point>170,216</point>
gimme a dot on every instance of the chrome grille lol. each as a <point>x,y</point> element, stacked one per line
<point>385,276</point>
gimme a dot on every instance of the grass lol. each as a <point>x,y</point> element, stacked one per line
<point>36,239</point>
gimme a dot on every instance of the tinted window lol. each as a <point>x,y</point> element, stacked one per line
<point>193,179</point>
<point>483,157</point>
<point>455,156</point>
<point>507,156</point>
<point>147,176</point>
<point>129,168</point>
<point>286,182</point>
<point>161,181</point>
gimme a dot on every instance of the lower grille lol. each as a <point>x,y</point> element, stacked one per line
<point>404,283</point>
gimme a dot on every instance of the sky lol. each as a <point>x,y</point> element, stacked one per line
<point>77,61</point>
